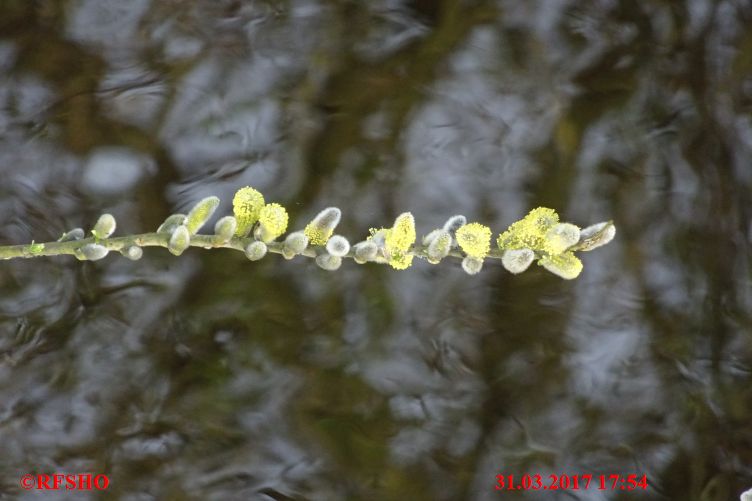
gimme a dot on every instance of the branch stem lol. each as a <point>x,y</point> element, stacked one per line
<point>162,240</point>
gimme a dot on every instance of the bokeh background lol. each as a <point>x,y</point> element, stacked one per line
<point>209,377</point>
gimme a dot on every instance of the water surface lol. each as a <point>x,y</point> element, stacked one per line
<point>211,377</point>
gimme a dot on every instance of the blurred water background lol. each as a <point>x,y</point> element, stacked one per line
<point>209,377</point>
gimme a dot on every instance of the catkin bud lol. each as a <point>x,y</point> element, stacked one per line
<point>74,234</point>
<point>295,242</point>
<point>321,228</point>
<point>472,265</point>
<point>132,252</point>
<point>104,227</point>
<point>171,223</point>
<point>431,236</point>
<point>180,240</point>
<point>224,229</point>
<point>328,262</point>
<point>338,245</point>
<point>92,252</point>
<point>562,236</point>
<point>200,214</point>
<point>379,239</point>
<point>365,251</point>
<point>439,247</point>
<point>596,235</point>
<point>255,250</point>
<point>454,223</point>
<point>517,261</point>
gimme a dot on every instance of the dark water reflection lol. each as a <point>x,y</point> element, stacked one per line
<point>210,377</point>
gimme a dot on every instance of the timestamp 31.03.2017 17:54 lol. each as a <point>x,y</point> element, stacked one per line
<point>538,482</point>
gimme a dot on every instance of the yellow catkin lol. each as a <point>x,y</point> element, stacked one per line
<point>322,227</point>
<point>565,265</point>
<point>246,205</point>
<point>474,239</point>
<point>530,231</point>
<point>561,237</point>
<point>272,221</point>
<point>398,239</point>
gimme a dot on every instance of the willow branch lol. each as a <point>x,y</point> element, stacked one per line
<point>202,241</point>
<point>255,228</point>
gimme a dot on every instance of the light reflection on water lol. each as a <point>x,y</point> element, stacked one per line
<point>212,377</point>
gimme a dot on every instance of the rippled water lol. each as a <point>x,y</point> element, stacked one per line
<point>211,377</point>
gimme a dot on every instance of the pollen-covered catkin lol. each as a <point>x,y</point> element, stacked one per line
<point>562,236</point>
<point>474,239</point>
<point>246,206</point>
<point>321,228</point>
<point>565,265</point>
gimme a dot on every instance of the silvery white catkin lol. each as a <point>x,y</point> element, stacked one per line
<point>224,229</point>
<point>472,265</point>
<point>337,245</point>
<point>105,226</point>
<point>328,262</point>
<point>172,222</point>
<point>379,239</point>
<point>594,236</point>
<point>94,252</point>
<point>132,252</point>
<point>255,250</point>
<point>179,240</point>
<point>517,261</point>
<point>74,234</point>
<point>746,495</point>
<point>296,242</point>
<point>327,219</point>
<point>365,251</point>
<point>439,247</point>
<point>454,223</point>
<point>431,236</point>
